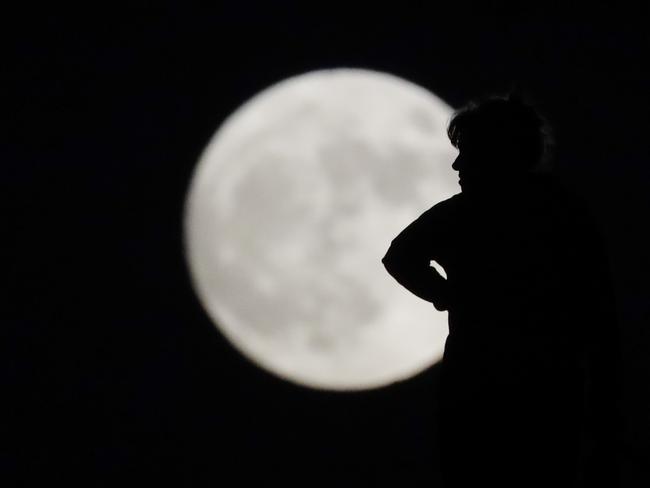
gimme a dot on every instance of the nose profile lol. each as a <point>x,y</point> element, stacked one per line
<point>456,164</point>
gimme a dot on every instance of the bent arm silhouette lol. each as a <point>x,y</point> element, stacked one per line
<point>408,261</point>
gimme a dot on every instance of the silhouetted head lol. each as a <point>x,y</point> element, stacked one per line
<point>500,139</point>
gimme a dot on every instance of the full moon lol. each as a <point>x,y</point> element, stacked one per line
<point>290,209</point>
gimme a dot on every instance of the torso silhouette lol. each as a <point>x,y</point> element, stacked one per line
<point>513,262</point>
<point>523,272</point>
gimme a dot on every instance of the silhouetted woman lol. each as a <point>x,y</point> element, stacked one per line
<point>529,303</point>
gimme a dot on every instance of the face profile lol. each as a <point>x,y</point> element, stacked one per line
<point>471,173</point>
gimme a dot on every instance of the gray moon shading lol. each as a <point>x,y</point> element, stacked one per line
<point>290,209</point>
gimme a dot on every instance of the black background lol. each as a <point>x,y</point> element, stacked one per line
<point>111,371</point>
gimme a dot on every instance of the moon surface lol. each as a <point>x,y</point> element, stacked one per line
<point>291,207</point>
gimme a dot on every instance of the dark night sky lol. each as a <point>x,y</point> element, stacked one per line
<point>111,371</point>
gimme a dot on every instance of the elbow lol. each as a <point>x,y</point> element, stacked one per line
<point>393,264</point>
<point>387,264</point>
<point>398,255</point>
<point>388,261</point>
